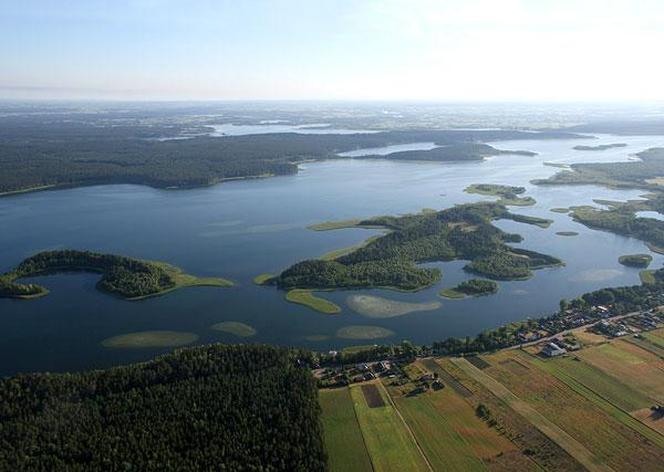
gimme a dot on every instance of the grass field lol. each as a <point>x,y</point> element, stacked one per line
<point>307,298</point>
<point>445,448</point>
<point>343,438</point>
<point>613,390</point>
<point>629,364</point>
<point>388,441</point>
<point>601,401</point>
<point>601,430</point>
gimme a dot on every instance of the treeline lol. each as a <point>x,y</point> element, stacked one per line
<point>460,232</point>
<point>204,408</point>
<point>60,153</point>
<point>477,287</point>
<point>121,275</point>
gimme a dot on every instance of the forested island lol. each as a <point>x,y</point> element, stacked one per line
<point>509,195</point>
<point>123,276</point>
<point>38,156</point>
<point>471,288</point>
<point>641,261</point>
<point>390,261</point>
<point>204,408</point>
<point>600,147</point>
<point>454,152</point>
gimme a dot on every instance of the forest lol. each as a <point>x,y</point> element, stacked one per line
<point>35,155</point>
<point>212,407</point>
<point>621,218</point>
<point>454,152</point>
<point>123,276</point>
<point>461,232</point>
<point>644,173</point>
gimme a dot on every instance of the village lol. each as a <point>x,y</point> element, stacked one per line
<point>552,337</point>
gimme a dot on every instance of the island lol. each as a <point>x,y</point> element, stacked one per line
<point>471,288</point>
<point>567,233</point>
<point>454,152</point>
<point>308,299</point>
<point>125,277</point>
<point>641,261</point>
<point>391,260</point>
<point>600,147</point>
<point>509,195</point>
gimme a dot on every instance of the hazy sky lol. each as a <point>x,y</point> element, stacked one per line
<point>593,50</point>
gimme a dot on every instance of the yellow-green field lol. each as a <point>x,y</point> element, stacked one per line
<point>389,442</point>
<point>343,438</point>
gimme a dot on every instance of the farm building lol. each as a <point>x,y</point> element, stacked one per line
<point>553,350</point>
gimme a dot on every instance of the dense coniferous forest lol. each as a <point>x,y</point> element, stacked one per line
<point>123,276</point>
<point>204,408</point>
<point>35,154</point>
<point>460,232</point>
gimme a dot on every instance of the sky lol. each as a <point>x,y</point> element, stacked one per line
<point>434,50</point>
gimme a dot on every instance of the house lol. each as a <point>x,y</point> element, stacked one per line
<point>553,350</point>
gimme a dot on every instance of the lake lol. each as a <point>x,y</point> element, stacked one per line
<point>243,228</point>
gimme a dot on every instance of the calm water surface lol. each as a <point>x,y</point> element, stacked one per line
<point>240,229</point>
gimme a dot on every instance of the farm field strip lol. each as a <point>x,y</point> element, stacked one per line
<point>445,448</point>
<point>389,442</point>
<point>612,410</point>
<point>445,376</point>
<point>629,364</point>
<point>646,344</point>
<point>554,432</point>
<point>343,438</point>
<point>591,421</point>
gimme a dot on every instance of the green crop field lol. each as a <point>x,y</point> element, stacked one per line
<point>343,438</point>
<point>390,445</point>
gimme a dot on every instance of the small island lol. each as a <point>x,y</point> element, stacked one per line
<point>125,277</point>
<point>641,261</point>
<point>454,152</point>
<point>308,299</point>
<point>567,233</point>
<point>601,147</point>
<point>509,195</point>
<point>470,288</point>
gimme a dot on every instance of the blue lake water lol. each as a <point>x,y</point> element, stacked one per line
<point>243,228</point>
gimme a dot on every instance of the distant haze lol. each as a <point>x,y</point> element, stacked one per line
<point>484,50</point>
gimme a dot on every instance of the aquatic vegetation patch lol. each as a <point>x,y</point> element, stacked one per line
<point>146,339</point>
<point>379,307</point>
<point>235,327</point>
